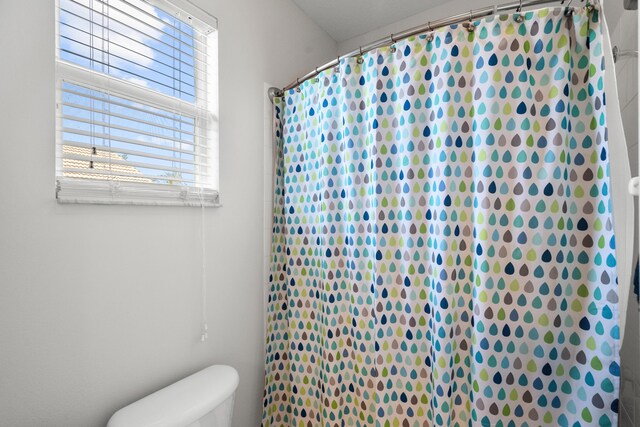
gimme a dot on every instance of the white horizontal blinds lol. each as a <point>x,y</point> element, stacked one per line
<point>134,41</point>
<point>132,141</point>
<point>136,103</point>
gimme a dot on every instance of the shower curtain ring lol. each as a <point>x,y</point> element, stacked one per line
<point>360,59</point>
<point>392,48</point>
<point>470,27</point>
<point>568,11</point>
<point>519,17</point>
<point>430,35</point>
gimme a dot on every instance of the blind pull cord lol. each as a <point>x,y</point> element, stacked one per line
<point>205,326</point>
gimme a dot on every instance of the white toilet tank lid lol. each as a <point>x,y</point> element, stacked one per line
<point>182,402</point>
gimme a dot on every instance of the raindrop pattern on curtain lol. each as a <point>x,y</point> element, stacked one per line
<point>443,249</point>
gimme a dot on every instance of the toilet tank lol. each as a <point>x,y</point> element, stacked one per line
<point>204,399</point>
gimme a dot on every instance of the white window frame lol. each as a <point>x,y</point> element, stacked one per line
<point>205,111</point>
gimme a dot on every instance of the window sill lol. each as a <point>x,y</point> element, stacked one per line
<point>72,191</point>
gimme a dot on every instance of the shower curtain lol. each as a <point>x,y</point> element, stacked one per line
<point>443,250</point>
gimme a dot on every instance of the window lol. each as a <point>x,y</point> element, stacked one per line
<point>136,107</point>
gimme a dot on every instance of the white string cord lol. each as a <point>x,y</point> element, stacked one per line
<point>205,326</point>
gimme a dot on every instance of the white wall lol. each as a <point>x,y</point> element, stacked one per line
<point>452,7</point>
<point>623,26</point>
<point>100,305</point>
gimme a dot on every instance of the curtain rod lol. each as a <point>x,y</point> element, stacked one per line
<point>428,27</point>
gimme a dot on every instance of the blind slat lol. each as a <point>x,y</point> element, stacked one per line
<point>177,40</point>
<point>120,150</point>
<point>123,139</point>
<point>136,131</point>
<point>95,61</point>
<point>133,106</point>
<point>131,130</point>
<point>124,176</point>
<point>105,86</point>
<point>129,118</point>
<point>147,14</point>
<point>197,63</point>
<point>104,163</point>
<point>111,54</point>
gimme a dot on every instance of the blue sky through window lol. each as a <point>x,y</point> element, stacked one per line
<point>134,42</point>
<point>139,43</point>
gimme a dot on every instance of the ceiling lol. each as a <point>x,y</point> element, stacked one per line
<point>344,19</point>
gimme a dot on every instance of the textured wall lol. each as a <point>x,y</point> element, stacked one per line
<point>623,25</point>
<point>100,305</point>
